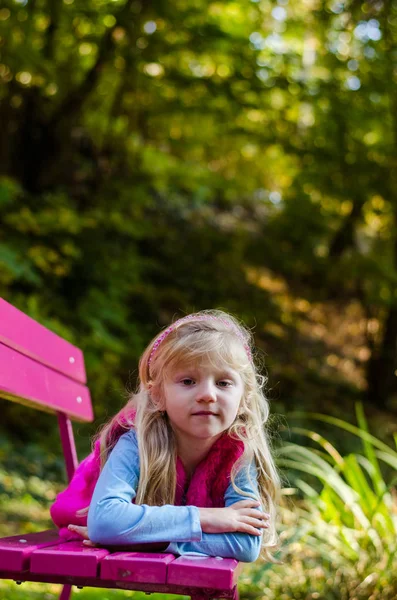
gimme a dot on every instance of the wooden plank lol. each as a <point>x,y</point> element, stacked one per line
<point>24,380</point>
<point>138,567</point>
<point>15,551</point>
<point>203,572</point>
<point>24,334</point>
<point>148,588</point>
<point>69,558</point>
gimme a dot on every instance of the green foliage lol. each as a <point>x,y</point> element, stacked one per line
<point>44,591</point>
<point>347,523</point>
<point>163,157</point>
<point>154,153</point>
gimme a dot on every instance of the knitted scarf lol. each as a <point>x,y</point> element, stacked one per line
<point>207,486</point>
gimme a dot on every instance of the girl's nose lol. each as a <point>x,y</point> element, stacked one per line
<point>207,392</point>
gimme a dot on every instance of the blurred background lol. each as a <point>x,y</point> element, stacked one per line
<point>158,158</point>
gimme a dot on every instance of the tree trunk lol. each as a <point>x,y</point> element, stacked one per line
<point>344,237</point>
<point>383,363</point>
<point>43,139</point>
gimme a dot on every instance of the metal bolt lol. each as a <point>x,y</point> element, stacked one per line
<point>79,399</point>
<point>71,360</point>
<point>23,541</point>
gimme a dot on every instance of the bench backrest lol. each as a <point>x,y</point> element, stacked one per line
<point>40,369</point>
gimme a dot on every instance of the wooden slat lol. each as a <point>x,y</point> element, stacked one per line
<point>25,380</point>
<point>15,551</point>
<point>70,558</point>
<point>148,588</point>
<point>209,572</point>
<point>139,567</point>
<point>20,332</point>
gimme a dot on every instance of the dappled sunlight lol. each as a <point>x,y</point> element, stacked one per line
<point>327,339</point>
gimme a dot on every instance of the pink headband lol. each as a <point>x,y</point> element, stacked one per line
<point>198,318</point>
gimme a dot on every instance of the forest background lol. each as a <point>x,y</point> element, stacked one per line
<point>158,158</point>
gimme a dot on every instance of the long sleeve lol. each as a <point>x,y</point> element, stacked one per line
<point>241,546</point>
<point>114,520</point>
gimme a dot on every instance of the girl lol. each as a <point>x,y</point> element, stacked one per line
<point>186,462</point>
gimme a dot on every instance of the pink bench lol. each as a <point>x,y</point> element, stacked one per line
<point>41,370</point>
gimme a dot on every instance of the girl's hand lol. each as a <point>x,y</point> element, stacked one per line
<point>83,531</point>
<point>244,516</point>
<point>145,547</point>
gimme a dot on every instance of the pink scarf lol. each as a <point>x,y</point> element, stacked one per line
<point>206,489</point>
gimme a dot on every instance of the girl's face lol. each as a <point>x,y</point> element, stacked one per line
<point>202,401</point>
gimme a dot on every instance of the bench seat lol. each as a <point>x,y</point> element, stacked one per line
<point>45,557</point>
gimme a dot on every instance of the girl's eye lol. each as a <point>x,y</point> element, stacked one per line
<point>187,381</point>
<point>224,383</point>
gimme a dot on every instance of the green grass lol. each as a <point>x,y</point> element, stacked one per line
<point>9,590</point>
<point>345,530</point>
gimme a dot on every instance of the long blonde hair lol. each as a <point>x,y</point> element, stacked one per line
<point>217,337</point>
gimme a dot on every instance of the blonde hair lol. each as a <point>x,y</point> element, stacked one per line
<point>211,336</point>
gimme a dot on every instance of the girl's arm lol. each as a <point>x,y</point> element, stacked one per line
<point>241,546</point>
<point>114,520</point>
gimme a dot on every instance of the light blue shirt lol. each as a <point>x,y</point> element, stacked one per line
<point>114,520</point>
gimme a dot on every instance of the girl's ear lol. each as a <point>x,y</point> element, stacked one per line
<point>155,395</point>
